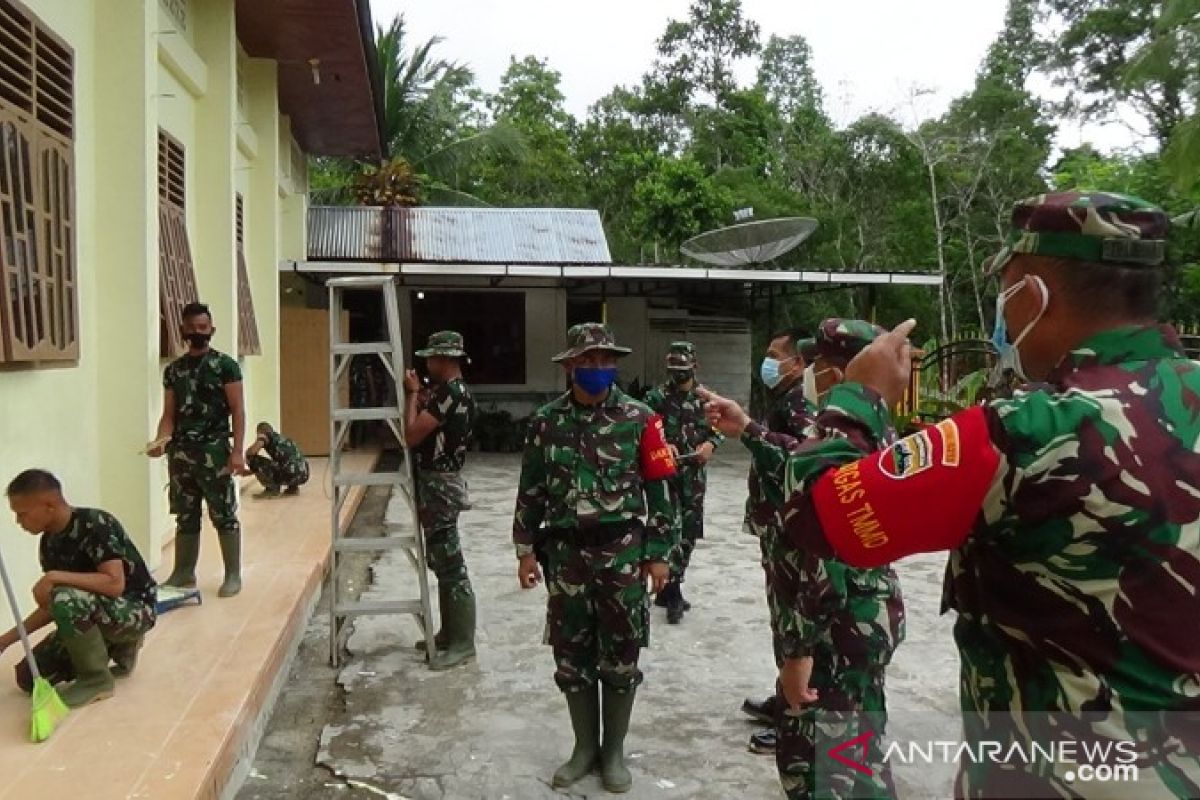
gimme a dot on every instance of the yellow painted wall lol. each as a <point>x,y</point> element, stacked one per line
<point>86,420</point>
<point>48,418</point>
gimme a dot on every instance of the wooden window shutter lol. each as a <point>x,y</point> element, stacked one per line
<point>248,342</point>
<point>176,271</point>
<point>39,304</point>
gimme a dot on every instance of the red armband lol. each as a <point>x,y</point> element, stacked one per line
<point>921,495</point>
<point>656,459</point>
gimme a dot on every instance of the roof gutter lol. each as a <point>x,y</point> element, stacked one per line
<point>366,30</point>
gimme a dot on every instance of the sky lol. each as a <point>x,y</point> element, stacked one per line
<point>869,55</point>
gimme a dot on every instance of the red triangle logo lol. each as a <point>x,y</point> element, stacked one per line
<point>859,741</point>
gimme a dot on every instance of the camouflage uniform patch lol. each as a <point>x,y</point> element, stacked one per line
<point>92,538</point>
<point>793,416</point>
<point>1069,586</point>
<point>200,444</point>
<point>284,464</point>
<point>579,474</point>
<point>686,428</point>
<point>441,490</point>
<point>597,616</point>
<point>852,705</point>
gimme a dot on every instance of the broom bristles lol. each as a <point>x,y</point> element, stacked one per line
<point>48,711</point>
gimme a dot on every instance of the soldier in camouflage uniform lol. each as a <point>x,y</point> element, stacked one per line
<point>694,442</point>
<point>1069,510</point>
<point>282,466</point>
<point>202,396</point>
<point>438,426</point>
<point>95,589</point>
<point>595,463</point>
<point>786,364</point>
<point>844,622</point>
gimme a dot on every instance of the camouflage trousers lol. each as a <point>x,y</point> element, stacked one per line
<point>851,705</point>
<point>441,497</point>
<point>597,614</point>
<point>195,478</point>
<point>76,611</point>
<point>768,544</point>
<point>273,475</point>
<point>687,491</point>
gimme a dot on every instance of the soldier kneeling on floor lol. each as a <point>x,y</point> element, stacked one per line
<point>95,589</point>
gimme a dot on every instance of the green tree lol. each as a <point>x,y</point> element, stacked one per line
<point>429,122</point>
<point>548,172</point>
<point>1175,43</point>
<point>1090,50</point>
<point>676,201</point>
<point>697,55</point>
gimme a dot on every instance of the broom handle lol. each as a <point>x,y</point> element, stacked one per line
<point>12,603</point>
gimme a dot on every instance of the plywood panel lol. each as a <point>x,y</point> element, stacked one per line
<point>304,376</point>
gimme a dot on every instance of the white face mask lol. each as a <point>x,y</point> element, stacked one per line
<point>810,384</point>
<point>811,393</point>
<point>1010,353</point>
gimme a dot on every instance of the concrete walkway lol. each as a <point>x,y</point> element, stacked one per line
<point>181,725</point>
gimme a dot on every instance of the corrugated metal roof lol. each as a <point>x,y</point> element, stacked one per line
<point>431,235</point>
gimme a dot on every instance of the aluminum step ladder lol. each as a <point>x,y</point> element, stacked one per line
<point>403,531</point>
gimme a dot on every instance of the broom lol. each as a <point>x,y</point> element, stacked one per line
<point>48,707</point>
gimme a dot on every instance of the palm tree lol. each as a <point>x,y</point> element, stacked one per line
<point>429,123</point>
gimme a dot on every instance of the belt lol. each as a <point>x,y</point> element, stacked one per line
<point>595,534</point>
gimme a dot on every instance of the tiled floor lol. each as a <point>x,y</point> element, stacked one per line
<point>176,727</point>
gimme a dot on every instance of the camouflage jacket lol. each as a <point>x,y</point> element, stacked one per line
<point>201,410</point>
<point>790,414</point>
<point>451,404</point>
<point>683,417</point>
<point>281,449</point>
<point>1073,582</point>
<point>91,538</point>
<point>825,603</point>
<point>581,466</point>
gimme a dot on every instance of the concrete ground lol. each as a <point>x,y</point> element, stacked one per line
<point>386,727</point>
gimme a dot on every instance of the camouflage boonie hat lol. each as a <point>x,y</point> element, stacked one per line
<point>807,348</point>
<point>843,339</point>
<point>1101,227</point>
<point>682,355</point>
<point>444,343</point>
<point>590,336</point>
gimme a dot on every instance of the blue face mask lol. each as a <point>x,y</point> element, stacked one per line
<point>594,380</point>
<point>770,371</point>
<point>1009,355</point>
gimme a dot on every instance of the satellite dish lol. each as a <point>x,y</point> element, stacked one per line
<point>1189,220</point>
<point>749,243</point>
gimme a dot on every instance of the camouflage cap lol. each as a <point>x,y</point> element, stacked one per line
<point>682,355</point>
<point>807,348</point>
<point>843,339</point>
<point>590,336</point>
<point>443,343</point>
<point>1101,227</point>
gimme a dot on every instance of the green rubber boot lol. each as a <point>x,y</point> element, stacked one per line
<point>459,625</point>
<point>231,554</point>
<point>440,638</point>
<point>89,657</point>
<point>584,707</point>
<point>125,654</point>
<point>617,709</point>
<point>187,553</point>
